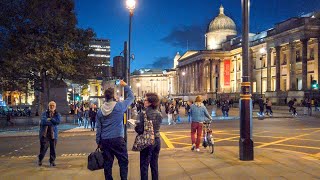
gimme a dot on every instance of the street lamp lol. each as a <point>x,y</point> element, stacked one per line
<point>131,5</point>
<point>138,86</point>
<point>183,74</point>
<point>262,52</point>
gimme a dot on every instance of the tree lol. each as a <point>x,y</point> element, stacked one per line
<point>39,42</point>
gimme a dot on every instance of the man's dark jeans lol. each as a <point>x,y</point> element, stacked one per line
<point>115,147</point>
<point>44,144</point>
<point>150,155</point>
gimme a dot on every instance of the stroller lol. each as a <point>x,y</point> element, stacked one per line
<point>208,136</point>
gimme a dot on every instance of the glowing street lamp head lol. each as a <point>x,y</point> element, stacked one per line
<point>183,73</point>
<point>138,84</point>
<point>131,4</point>
<point>262,50</point>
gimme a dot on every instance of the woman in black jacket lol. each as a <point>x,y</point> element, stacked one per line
<point>150,155</point>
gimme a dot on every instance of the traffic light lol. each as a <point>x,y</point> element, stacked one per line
<point>314,84</point>
<point>70,96</point>
<point>77,97</point>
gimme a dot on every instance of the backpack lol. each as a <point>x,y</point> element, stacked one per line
<point>290,103</point>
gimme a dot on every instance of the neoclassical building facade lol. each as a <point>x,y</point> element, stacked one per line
<point>284,61</point>
<point>162,82</point>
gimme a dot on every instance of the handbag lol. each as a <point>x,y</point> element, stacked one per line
<point>95,160</point>
<point>146,138</point>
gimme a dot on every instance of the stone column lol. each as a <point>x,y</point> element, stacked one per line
<point>304,63</point>
<point>196,73</point>
<point>278,68</point>
<point>199,77</point>
<point>201,69</point>
<point>217,77</point>
<point>189,78</point>
<point>318,61</point>
<point>269,69</point>
<point>292,58</point>
<point>210,75</point>
<point>251,65</point>
<point>235,68</point>
<point>186,80</point>
<point>196,79</point>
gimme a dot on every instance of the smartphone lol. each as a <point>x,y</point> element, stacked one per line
<point>117,82</point>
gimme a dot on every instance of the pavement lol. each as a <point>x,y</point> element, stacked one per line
<point>176,163</point>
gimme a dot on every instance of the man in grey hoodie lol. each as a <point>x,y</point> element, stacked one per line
<point>110,131</point>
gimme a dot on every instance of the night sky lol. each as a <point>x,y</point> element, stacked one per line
<point>160,28</point>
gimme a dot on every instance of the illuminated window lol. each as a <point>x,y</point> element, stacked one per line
<point>298,59</point>
<point>311,54</point>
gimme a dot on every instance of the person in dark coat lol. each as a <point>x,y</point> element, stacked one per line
<point>48,133</point>
<point>150,155</point>
<point>261,106</point>
<point>92,115</point>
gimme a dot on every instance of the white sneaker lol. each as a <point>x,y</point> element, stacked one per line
<point>198,150</point>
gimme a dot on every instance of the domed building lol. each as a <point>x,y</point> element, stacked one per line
<point>284,62</point>
<point>218,30</point>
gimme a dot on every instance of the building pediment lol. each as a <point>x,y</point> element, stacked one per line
<point>187,55</point>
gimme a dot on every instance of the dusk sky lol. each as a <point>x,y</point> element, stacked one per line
<point>160,28</point>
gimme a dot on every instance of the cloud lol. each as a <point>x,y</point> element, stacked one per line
<point>162,63</point>
<point>187,36</point>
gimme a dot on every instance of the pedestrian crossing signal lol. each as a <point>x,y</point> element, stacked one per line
<point>314,84</point>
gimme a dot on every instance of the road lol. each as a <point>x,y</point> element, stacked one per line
<point>299,134</point>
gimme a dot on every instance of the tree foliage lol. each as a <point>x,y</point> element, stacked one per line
<point>39,39</point>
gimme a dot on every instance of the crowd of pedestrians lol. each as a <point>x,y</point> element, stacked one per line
<point>108,121</point>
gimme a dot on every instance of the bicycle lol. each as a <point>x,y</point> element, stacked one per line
<point>208,136</point>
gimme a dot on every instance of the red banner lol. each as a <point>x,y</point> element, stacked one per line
<point>227,72</point>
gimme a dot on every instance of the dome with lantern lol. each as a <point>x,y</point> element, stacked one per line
<point>219,29</point>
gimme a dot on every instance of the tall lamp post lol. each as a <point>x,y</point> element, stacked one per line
<point>245,141</point>
<point>130,4</point>
<point>262,52</point>
<point>183,91</point>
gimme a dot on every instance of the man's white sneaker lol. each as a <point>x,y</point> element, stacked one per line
<point>198,150</point>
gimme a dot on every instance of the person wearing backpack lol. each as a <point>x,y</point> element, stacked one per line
<point>110,131</point>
